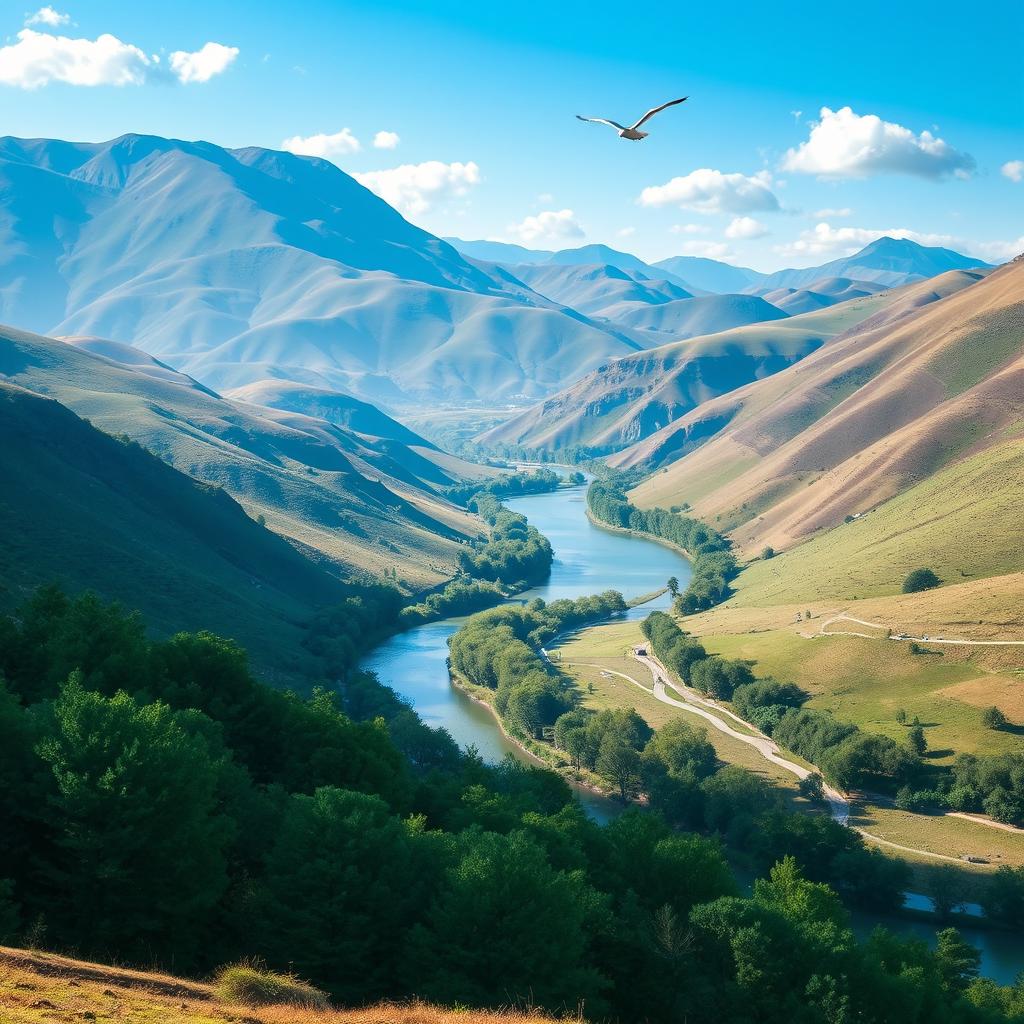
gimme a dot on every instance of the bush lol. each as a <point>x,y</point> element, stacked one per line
<point>920,579</point>
<point>993,718</point>
<point>250,985</point>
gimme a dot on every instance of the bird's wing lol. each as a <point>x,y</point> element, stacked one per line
<point>654,110</point>
<point>603,120</point>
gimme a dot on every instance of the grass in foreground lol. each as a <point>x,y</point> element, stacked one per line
<point>252,985</point>
<point>42,988</point>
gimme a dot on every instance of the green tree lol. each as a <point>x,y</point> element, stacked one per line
<point>947,890</point>
<point>958,962</point>
<point>920,579</point>
<point>901,716</point>
<point>343,879</point>
<point>619,763</point>
<point>1003,897</point>
<point>767,552</point>
<point>673,586</point>
<point>507,927</point>
<point>138,856</point>
<point>917,740</point>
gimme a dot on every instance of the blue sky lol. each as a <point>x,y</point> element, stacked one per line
<point>809,129</point>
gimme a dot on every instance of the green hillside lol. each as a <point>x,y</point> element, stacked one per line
<point>89,511</point>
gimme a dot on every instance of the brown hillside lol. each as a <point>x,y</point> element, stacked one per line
<point>862,420</point>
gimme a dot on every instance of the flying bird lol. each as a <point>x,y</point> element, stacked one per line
<point>632,132</point>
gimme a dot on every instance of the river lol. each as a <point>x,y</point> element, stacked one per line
<point>587,560</point>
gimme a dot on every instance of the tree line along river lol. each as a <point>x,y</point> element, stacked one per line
<point>588,560</point>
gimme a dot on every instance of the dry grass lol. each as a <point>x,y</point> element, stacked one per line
<point>253,985</point>
<point>42,988</point>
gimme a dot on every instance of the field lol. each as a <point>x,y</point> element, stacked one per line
<point>604,646</point>
<point>867,681</point>
<point>41,988</point>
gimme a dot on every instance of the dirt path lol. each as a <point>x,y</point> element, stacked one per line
<point>843,617</point>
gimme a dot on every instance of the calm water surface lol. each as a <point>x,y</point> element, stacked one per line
<point>587,561</point>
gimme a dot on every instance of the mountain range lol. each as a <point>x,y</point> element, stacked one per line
<point>247,266</point>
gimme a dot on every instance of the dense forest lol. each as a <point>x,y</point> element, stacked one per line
<point>713,564</point>
<point>162,807</point>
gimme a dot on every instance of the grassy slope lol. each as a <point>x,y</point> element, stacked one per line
<point>85,509</point>
<point>867,681</point>
<point>365,505</point>
<point>963,522</point>
<point>740,424</point>
<point>43,988</point>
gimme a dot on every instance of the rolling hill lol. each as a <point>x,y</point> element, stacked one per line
<point>87,510</point>
<point>359,502</point>
<point>311,279</point>
<point>631,399</point>
<point>899,445</point>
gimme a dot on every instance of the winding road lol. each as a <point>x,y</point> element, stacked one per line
<point>710,711</point>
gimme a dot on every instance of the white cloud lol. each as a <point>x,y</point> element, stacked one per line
<point>745,227</point>
<point>385,140</point>
<point>690,229</point>
<point>710,191</point>
<point>48,16</point>
<point>824,240</point>
<point>626,232</point>
<point>1014,170</point>
<point>203,64</point>
<point>796,114</point>
<point>843,211</point>
<point>555,225</point>
<point>414,188</point>
<point>328,147</point>
<point>38,58</point>
<point>998,252</point>
<point>710,250</point>
<point>843,144</point>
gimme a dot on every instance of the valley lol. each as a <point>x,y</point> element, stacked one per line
<point>464,624</point>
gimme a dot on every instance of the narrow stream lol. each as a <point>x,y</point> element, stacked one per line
<point>588,560</point>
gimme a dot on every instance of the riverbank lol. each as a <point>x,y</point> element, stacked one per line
<point>548,756</point>
<point>601,525</point>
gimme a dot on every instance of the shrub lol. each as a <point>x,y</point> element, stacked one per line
<point>251,985</point>
<point>993,718</point>
<point>920,579</point>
